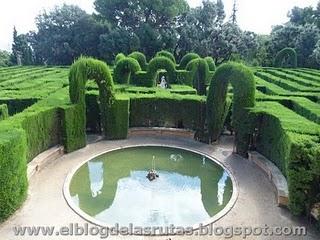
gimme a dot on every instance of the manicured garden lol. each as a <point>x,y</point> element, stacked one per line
<point>274,111</point>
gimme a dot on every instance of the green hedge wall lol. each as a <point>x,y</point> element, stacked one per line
<point>292,143</point>
<point>166,54</point>
<point>13,171</point>
<point>118,119</point>
<point>141,78</point>
<point>22,137</point>
<point>125,69</point>
<point>186,59</point>
<point>73,127</point>
<point>4,112</point>
<point>141,58</point>
<point>176,111</point>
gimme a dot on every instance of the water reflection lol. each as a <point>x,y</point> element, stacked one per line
<point>221,187</point>
<point>95,177</point>
<point>113,188</point>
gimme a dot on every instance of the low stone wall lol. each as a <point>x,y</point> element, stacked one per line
<point>275,176</point>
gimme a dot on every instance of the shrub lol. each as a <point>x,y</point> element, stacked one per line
<point>124,69</point>
<point>186,59</point>
<point>3,112</point>
<point>292,143</point>
<point>211,63</point>
<point>166,54</point>
<point>199,72</point>
<point>118,112</point>
<point>141,78</point>
<point>73,127</point>
<point>13,171</point>
<point>288,55</point>
<point>155,110</point>
<point>119,57</point>
<point>242,80</point>
<point>184,77</point>
<point>158,63</point>
<point>141,58</point>
<point>82,70</point>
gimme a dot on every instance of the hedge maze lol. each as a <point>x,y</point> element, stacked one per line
<point>273,110</point>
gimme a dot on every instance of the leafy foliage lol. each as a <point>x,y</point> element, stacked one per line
<point>141,58</point>
<point>211,63</point>
<point>186,59</point>
<point>242,80</point>
<point>167,54</point>
<point>124,69</point>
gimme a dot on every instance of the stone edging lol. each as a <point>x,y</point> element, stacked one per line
<point>43,159</point>
<point>274,175</point>
<point>161,131</point>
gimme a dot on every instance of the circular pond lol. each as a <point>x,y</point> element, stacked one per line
<point>113,188</point>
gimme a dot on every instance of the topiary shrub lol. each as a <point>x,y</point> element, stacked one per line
<point>166,54</point>
<point>141,58</point>
<point>119,57</point>
<point>141,78</point>
<point>242,80</point>
<point>211,63</point>
<point>287,57</point>
<point>119,118</point>
<point>82,70</point>
<point>4,112</point>
<point>124,69</point>
<point>158,63</point>
<point>186,59</point>
<point>199,71</point>
<point>13,171</point>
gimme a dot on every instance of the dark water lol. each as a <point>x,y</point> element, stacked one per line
<point>113,187</point>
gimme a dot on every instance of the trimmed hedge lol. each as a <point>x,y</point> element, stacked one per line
<point>82,70</point>
<point>199,71</point>
<point>292,143</point>
<point>177,111</point>
<point>4,112</point>
<point>141,58</point>
<point>141,78</point>
<point>166,54</point>
<point>186,59</point>
<point>211,63</point>
<point>286,53</point>
<point>242,80</point>
<point>118,117</point>
<point>13,171</point>
<point>22,137</point>
<point>158,63</point>
<point>119,57</point>
<point>125,68</point>
<point>73,127</point>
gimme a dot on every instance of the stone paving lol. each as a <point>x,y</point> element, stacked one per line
<point>256,205</point>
